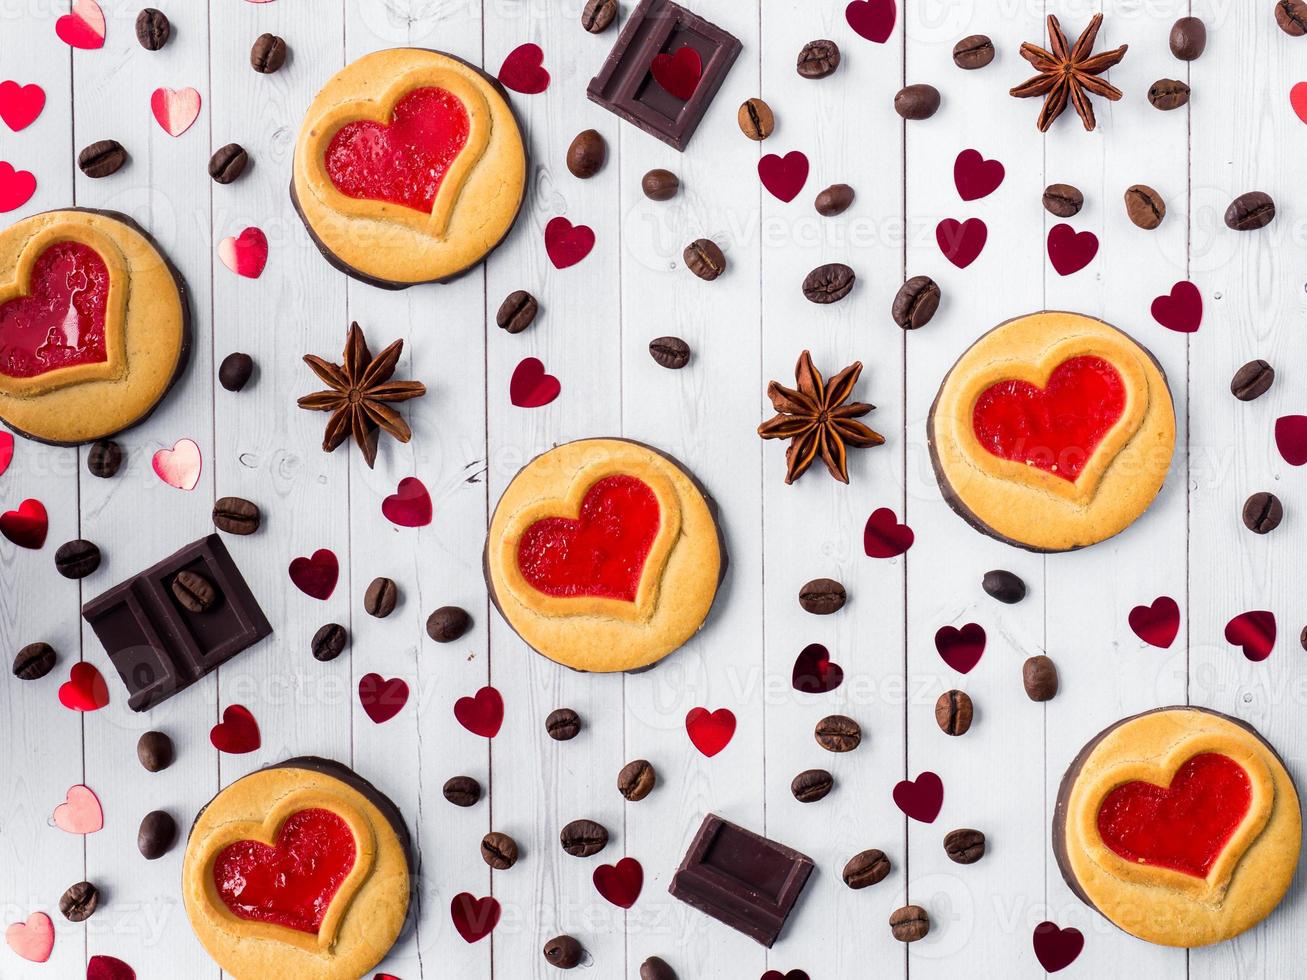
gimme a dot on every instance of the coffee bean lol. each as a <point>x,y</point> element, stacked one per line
<point>655,968</point>
<point>104,458</point>
<point>79,902</point>
<point>152,29</point>
<point>838,733</point>
<point>267,54</point>
<point>660,185</point>
<point>381,597</point>
<point>1291,15</point>
<point>705,259</point>
<point>917,101</point>
<point>235,370</point>
<point>1302,638</point>
<point>447,624</point>
<point>670,352</point>
<point>822,596</point>
<point>1262,512</point>
<point>909,923</point>
<point>499,851</point>
<point>866,868</point>
<point>1144,206</point>
<point>835,199</point>
<point>194,592</point>
<point>818,59</point>
<point>1168,93</point>
<point>582,838</point>
<point>1188,38</point>
<point>1004,586</point>
<point>973,52</point>
<point>597,15</point>
<point>155,751</point>
<point>1252,380</point>
<point>1250,211</point>
<point>228,163</point>
<point>462,791</point>
<point>517,311</point>
<point>157,835</point>
<point>964,846</point>
<point>563,952</point>
<point>34,661</point>
<point>586,155</point>
<point>563,725</point>
<point>77,559</point>
<point>953,712</point>
<point>915,303</point>
<point>828,283</point>
<point>1063,200</point>
<point>329,642</point>
<point>812,785</point>
<point>1039,675</point>
<point>637,780</point>
<point>756,119</point>
<point>101,158</point>
<point>236,515</point>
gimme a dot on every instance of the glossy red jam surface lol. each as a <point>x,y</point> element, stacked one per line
<point>1056,428</point>
<point>1183,827</point>
<point>602,552</point>
<point>405,161</point>
<point>292,884</point>
<point>60,322</point>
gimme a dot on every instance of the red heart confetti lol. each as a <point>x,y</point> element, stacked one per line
<point>1291,438</point>
<point>814,672</point>
<point>961,648</point>
<point>1298,99</point>
<point>1158,624</point>
<point>975,177</point>
<point>316,576</point>
<point>531,386</point>
<point>179,466</point>
<point>85,689</point>
<point>80,812</point>
<point>920,798</point>
<point>16,187</point>
<point>1254,632</point>
<point>382,699</point>
<point>246,254</point>
<point>237,733</point>
<point>20,104</point>
<point>884,536</point>
<point>84,27</point>
<point>409,505</point>
<point>620,883</point>
<point>1056,948</point>
<point>6,451</point>
<point>523,70</point>
<point>26,526</point>
<point>961,241</point>
<point>175,109</point>
<point>710,731</point>
<point>108,968</point>
<point>474,918</point>
<point>1069,250</point>
<point>567,244</point>
<point>679,72</point>
<point>872,19</point>
<point>785,176</point>
<point>481,714</point>
<point>1181,310</point>
<point>32,940</point>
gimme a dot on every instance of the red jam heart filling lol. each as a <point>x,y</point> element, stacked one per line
<point>60,322</point>
<point>1183,827</point>
<point>1055,428</point>
<point>601,553</point>
<point>404,162</point>
<point>292,884</point>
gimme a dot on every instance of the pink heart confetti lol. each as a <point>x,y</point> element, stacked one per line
<point>80,813</point>
<point>32,940</point>
<point>84,27</point>
<point>179,466</point>
<point>175,109</point>
<point>246,254</point>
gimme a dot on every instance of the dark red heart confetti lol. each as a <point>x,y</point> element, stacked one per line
<point>1158,623</point>
<point>975,177</point>
<point>778,975</point>
<point>1180,310</point>
<point>316,576</point>
<point>678,72</point>
<point>961,241</point>
<point>1290,438</point>
<point>474,918</point>
<point>382,698</point>
<point>1069,250</point>
<point>872,19</point>
<point>920,798</point>
<point>108,968</point>
<point>884,536</point>
<point>531,386</point>
<point>85,689</point>
<point>523,70</point>
<point>481,714</point>
<point>26,526</point>
<point>710,731</point>
<point>1254,632</point>
<point>620,883</point>
<point>785,176</point>
<point>409,505</point>
<point>961,648</point>
<point>237,733</point>
<point>815,672</point>
<point>567,244</point>
<point>1056,948</point>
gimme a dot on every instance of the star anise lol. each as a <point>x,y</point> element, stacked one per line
<point>1069,75</point>
<point>359,393</point>
<point>818,419</point>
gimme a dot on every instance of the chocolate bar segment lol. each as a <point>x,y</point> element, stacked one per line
<point>741,878</point>
<point>159,647</point>
<point>625,84</point>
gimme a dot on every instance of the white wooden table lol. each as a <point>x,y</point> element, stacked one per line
<point>748,327</point>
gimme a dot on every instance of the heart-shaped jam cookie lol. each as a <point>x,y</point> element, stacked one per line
<point>60,321</point>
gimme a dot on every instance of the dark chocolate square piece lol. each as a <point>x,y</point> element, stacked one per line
<point>625,84</point>
<point>159,647</point>
<point>741,878</point>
